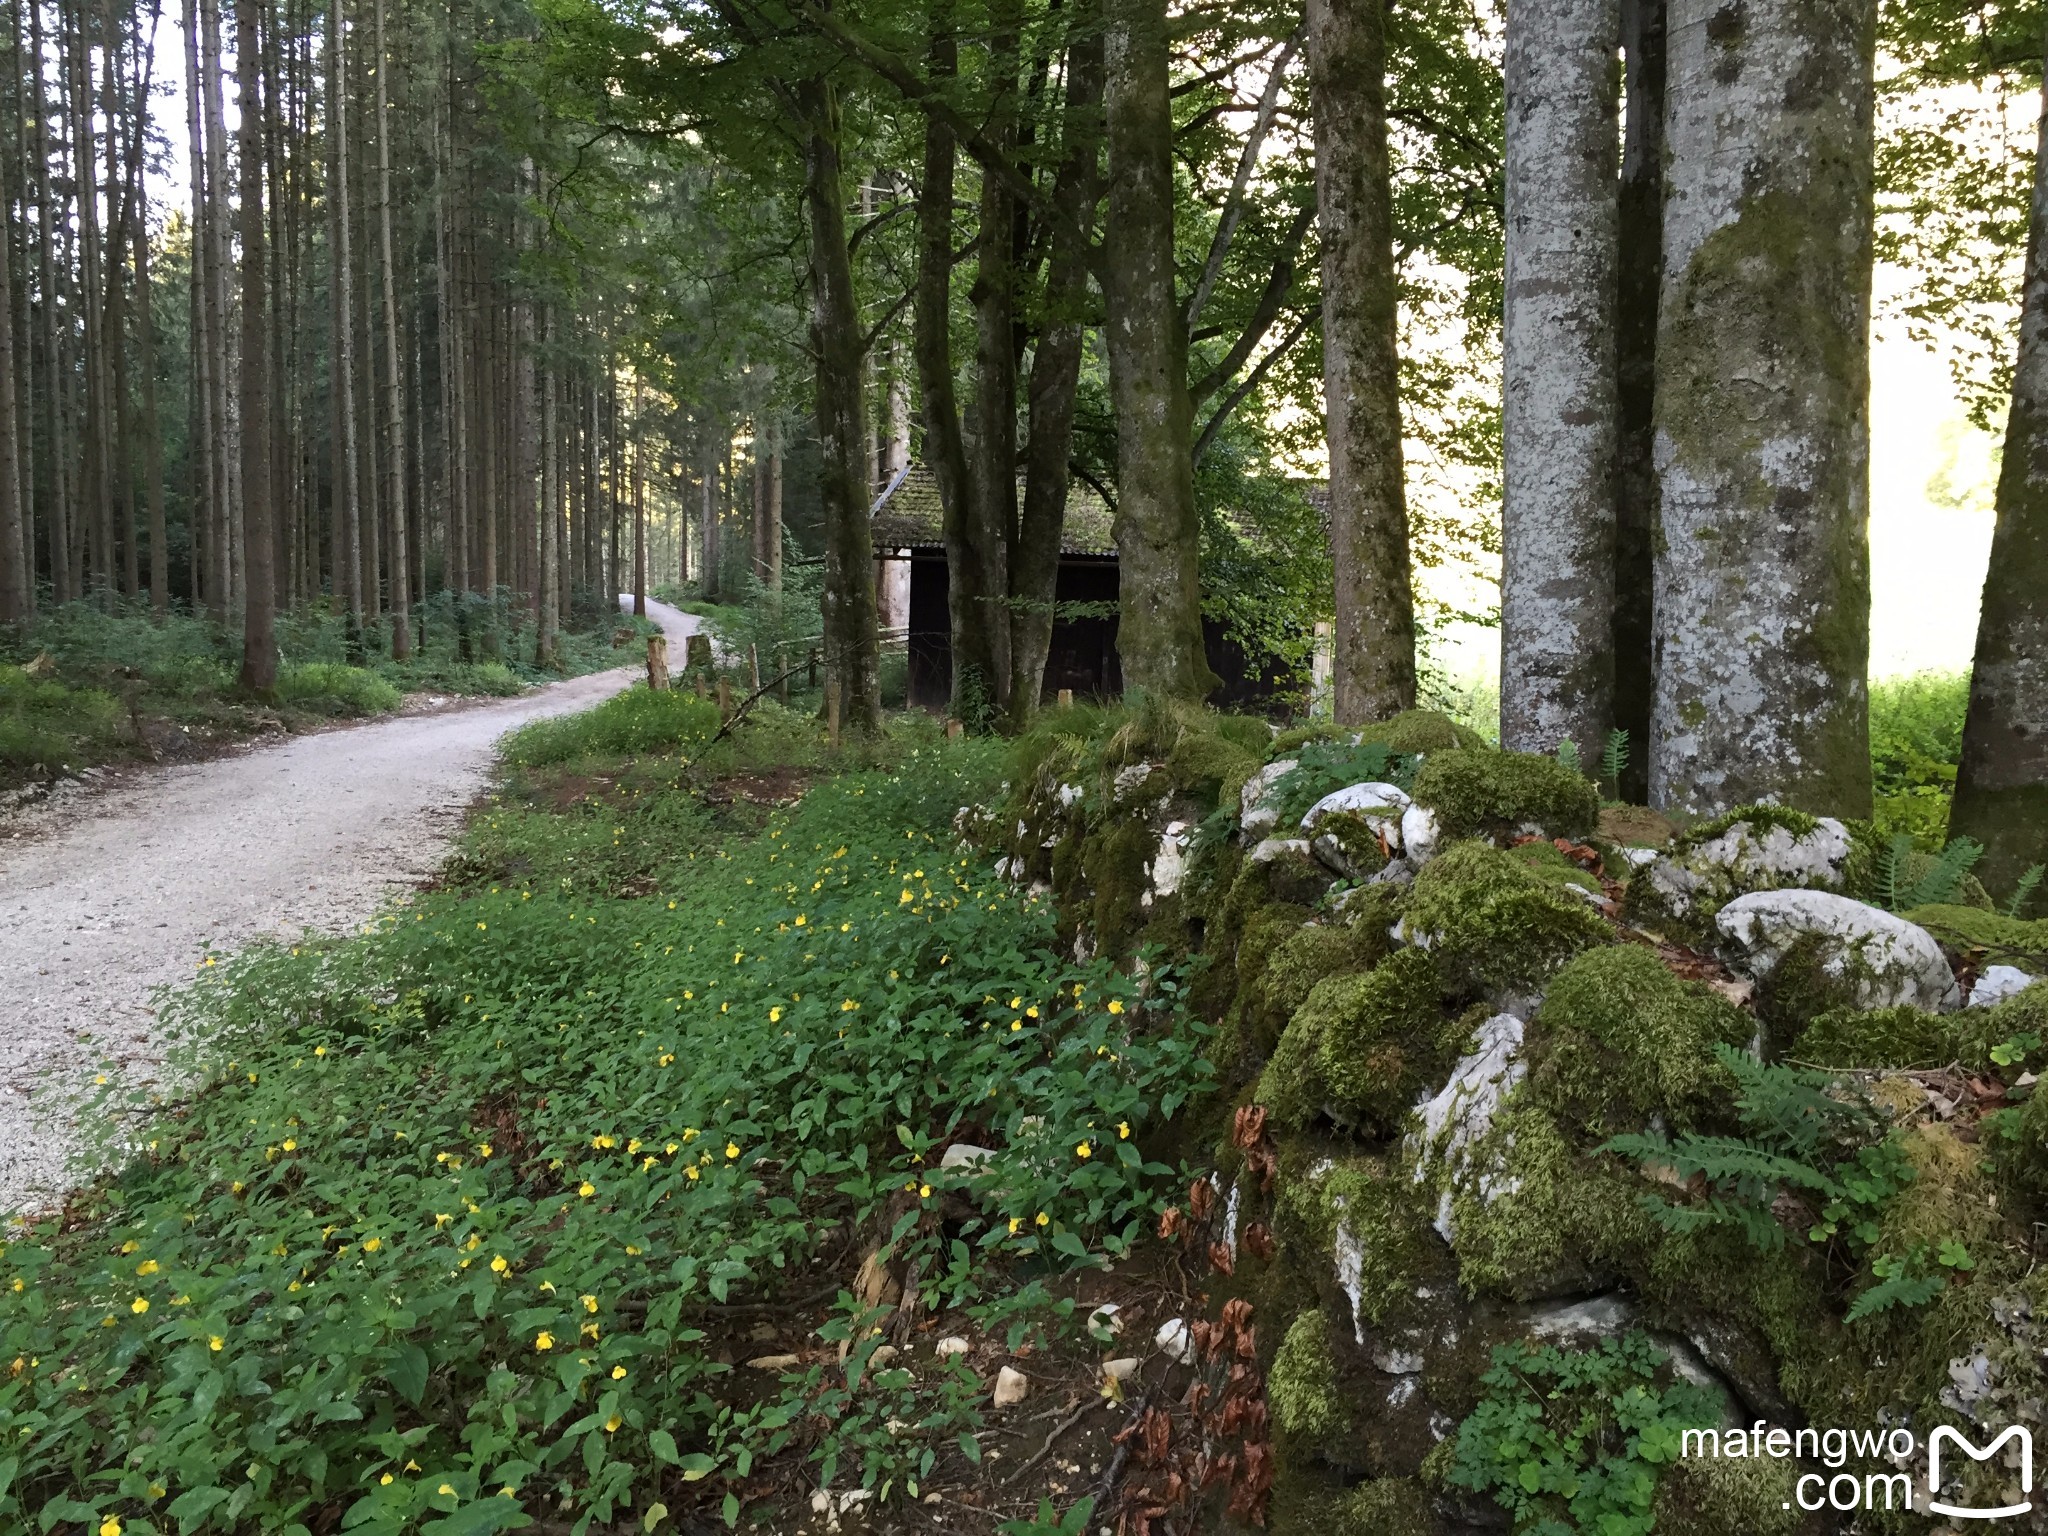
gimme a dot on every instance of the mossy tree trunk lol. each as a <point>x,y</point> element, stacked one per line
<point>1762,411</point>
<point>1159,628</point>
<point>2002,784</point>
<point>1639,275</point>
<point>1374,638</point>
<point>852,645</point>
<point>1558,359</point>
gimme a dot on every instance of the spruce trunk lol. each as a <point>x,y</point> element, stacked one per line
<point>1762,411</point>
<point>259,638</point>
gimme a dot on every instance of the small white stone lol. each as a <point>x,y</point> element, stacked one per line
<point>775,1362</point>
<point>1104,1322</point>
<point>884,1355</point>
<point>964,1154</point>
<point>1011,1386</point>
<point>1419,834</point>
<point>1120,1370</point>
<point>1279,847</point>
<point>950,1346</point>
<point>1381,805</point>
<point>1995,983</point>
<point>1170,865</point>
<point>1174,1339</point>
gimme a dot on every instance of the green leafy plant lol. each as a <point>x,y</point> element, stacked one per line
<point>637,720</point>
<point>1614,761</point>
<point>1048,1522</point>
<point>1571,1442</point>
<point>1901,887</point>
<point>1568,754</point>
<point>1322,767</point>
<point>2023,891</point>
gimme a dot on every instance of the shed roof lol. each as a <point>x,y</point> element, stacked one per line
<point>907,515</point>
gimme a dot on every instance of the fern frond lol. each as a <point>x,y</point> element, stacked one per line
<point>2029,882</point>
<point>1568,754</point>
<point>1891,870</point>
<point>1614,759</point>
<point>1900,1287</point>
<point>1939,883</point>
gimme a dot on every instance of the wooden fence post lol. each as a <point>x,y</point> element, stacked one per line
<point>753,669</point>
<point>657,662</point>
<point>1066,698</point>
<point>724,701</point>
<point>955,730</point>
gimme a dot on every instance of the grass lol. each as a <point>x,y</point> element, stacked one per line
<point>632,723</point>
<point>446,1232</point>
<point>87,685</point>
<point>1916,742</point>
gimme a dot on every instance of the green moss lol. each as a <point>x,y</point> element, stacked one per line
<point>1547,863</point>
<point>1493,925</point>
<point>1992,937</point>
<point>1485,793</point>
<point>1537,1216</point>
<point>1303,1391</point>
<point>1979,1030</point>
<point>1879,1037</point>
<point>1115,859</point>
<point>1619,1039</point>
<point>1423,730</point>
<point>1356,839</point>
<point>1799,989</point>
<point>1305,957</point>
<point>1360,1048</point>
<point>1706,1496</point>
<point>1210,768</point>
<point>1381,1208</point>
<point>1380,1506</point>
<point>1761,817</point>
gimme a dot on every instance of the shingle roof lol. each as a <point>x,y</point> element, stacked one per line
<point>907,515</point>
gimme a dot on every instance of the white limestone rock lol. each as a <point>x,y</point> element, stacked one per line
<point>1418,835</point>
<point>1457,1117</point>
<point>1381,805</point>
<point>1748,856</point>
<point>1886,961</point>
<point>1170,865</point>
<point>1256,808</point>
<point>1012,1387</point>
<point>1273,848</point>
<point>1995,983</point>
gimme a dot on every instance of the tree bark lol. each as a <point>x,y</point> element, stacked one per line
<point>152,432</point>
<point>547,628</point>
<point>17,580</point>
<point>969,585</point>
<point>1763,561</point>
<point>259,638</point>
<point>394,398</point>
<point>1374,633</point>
<point>852,646</point>
<point>1640,241</point>
<point>1034,565</point>
<point>1558,425</point>
<point>2002,785</point>
<point>1159,631</point>
<point>346,487</point>
<point>639,518</point>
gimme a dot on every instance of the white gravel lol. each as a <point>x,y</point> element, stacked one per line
<point>129,888</point>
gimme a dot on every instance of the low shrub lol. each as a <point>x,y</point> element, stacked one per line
<point>639,720</point>
<point>330,688</point>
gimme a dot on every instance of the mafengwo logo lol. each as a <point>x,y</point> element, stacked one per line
<point>1943,1435</point>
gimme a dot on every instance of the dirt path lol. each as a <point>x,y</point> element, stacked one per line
<point>316,832</point>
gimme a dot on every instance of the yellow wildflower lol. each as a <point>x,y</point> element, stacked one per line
<point>544,1340</point>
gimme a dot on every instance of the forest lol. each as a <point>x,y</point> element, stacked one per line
<point>743,784</point>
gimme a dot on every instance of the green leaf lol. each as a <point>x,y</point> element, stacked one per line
<point>970,1447</point>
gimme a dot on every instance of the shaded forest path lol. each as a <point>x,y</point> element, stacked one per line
<point>129,894</point>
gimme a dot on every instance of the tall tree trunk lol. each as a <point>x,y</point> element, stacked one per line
<point>346,484</point>
<point>639,516</point>
<point>771,508</point>
<point>2002,784</point>
<point>993,439</point>
<point>1558,413</point>
<point>969,586</point>
<point>1763,374</point>
<point>152,428</point>
<point>1640,242</point>
<point>224,514</point>
<point>205,468</point>
<point>17,579</point>
<point>708,540</point>
<point>259,514</point>
<point>394,375</point>
<point>1034,567</point>
<point>548,615</point>
<point>852,645</point>
<point>1158,536</point>
<point>1374,633</point>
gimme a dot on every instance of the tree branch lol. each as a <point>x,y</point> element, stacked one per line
<point>1252,381</point>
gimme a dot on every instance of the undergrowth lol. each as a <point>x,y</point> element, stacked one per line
<point>436,1237</point>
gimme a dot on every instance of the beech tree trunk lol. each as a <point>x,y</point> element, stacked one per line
<point>1159,630</point>
<point>2002,786</point>
<point>1558,413</point>
<point>1640,240</point>
<point>852,646</point>
<point>1034,564</point>
<point>1762,411</point>
<point>1374,633</point>
<point>259,637</point>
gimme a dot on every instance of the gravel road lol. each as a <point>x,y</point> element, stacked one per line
<point>131,887</point>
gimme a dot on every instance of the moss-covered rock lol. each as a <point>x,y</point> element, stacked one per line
<point>1876,1037</point>
<point>1488,793</point>
<point>1360,1048</point>
<point>1379,1506</point>
<point>1989,937</point>
<point>1548,863</point>
<point>1362,1223</point>
<point>1492,924</point>
<point>1706,1496</point>
<point>1349,845</point>
<point>1303,1391</point>
<point>1978,1031</point>
<point>1752,848</point>
<point>1290,969</point>
<point>1620,1039</point>
<point>1422,730</point>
